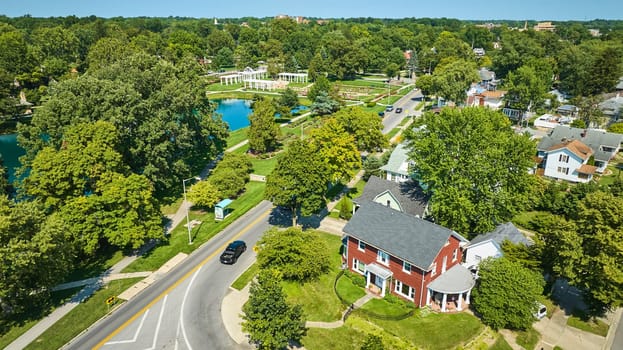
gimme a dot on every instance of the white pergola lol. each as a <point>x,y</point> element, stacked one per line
<point>294,77</point>
<point>250,74</point>
<point>231,79</point>
<point>260,84</point>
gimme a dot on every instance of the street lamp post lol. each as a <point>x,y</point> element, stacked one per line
<point>190,238</point>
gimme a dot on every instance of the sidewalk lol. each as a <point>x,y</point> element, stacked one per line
<point>555,332</point>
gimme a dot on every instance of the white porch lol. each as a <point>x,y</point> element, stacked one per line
<point>450,290</point>
<point>377,278</point>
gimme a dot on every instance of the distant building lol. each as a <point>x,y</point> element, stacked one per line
<point>479,51</point>
<point>544,27</point>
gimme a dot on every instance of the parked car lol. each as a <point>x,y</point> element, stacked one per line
<point>541,311</point>
<point>398,110</point>
<point>389,108</point>
<point>381,114</point>
<point>233,252</point>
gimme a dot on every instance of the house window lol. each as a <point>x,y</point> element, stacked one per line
<point>404,290</point>
<point>359,266</point>
<point>362,246</point>
<point>406,267</point>
<point>447,242</point>
<point>455,253</point>
<point>382,257</point>
<point>477,257</point>
<point>563,170</point>
<point>563,158</point>
<point>433,270</point>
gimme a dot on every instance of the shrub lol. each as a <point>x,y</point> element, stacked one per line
<point>370,104</point>
<point>346,208</point>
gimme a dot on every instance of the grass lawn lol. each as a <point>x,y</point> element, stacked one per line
<point>500,344</point>
<point>524,219</point>
<point>91,268</point>
<point>265,166</point>
<point>392,133</point>
<point>178,241</point>
<point>434,331</point>
<point>592,325</point>
<point>235,137</point>
<point>81,317</point>
<point>528,338</point>
<point>348,291</point>
<point>246,277</point>
<point>342,338</point>
<point>357,190</point>
<point>317,298</point>
<point>383,307</point>
<point>222,87</point>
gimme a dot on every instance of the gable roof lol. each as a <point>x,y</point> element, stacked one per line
<point>590,137</point>
<point>399,160</point>
<point>501,233</point>
<point>401,235</point>
<point>486,74</point>
<point>408,194</point>
<point>576,147</point>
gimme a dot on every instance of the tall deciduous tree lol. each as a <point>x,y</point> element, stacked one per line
<point>525,89</point>
<point>507,294</point>
<point>338,150</point>
<point>474,166</point>
<point>263,130</point>
<point>366,127</point>
<point>452,79</point>
<point>204,194</point>
<point>299,180</point>
<point>270,321</point>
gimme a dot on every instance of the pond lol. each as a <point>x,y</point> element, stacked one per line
<point>10,152</point>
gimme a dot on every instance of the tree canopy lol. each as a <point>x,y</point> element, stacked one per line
<point>263,130</point>
<point>473,165</point>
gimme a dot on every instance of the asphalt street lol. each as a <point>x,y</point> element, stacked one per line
<point>617,344</point>
<point>392,119</point>
<point>182,310</point>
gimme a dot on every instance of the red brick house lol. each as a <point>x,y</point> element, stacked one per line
<point>410,257</point>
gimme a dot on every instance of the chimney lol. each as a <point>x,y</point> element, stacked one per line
<point>583,134</point>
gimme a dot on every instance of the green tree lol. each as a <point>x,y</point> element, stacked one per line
<point>321,84</point>
<point>451,80</point>
<point>507,294</point>
<point>372,167</point>
<point>589,110</point>
<point>366,127</point>
<point>425,83</point>
<point>346,208</point>
<point>224,58</point>
<point>270,321</point>
<point>580,124</point>
<point>616,128</point>
<point>525,89</point>
<point>474,166</point>
<point>263,130</point>
<point>372,342</point>
<point>289,98</point>
<point>324,104</point>
<point>297,255</point>
<point>204,194</point>
<point>299,180</point>
<point>392,70</point>
<point>229,182</point>
<point>338,150</point>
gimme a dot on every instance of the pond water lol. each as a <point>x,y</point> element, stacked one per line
<point>10,152</point>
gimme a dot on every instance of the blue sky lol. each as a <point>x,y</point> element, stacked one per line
<point>476,9</point>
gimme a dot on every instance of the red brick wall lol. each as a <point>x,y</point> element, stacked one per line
<point>413,279</point>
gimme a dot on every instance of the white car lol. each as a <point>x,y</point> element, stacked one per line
<point>541,311</point>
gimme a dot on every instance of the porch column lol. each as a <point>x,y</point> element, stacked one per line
<point>459,304</point>
<point>383,287</point>
<point>368,280</point>
<point>427,296</point>
<point>443,302</point>
<point>467,297</point>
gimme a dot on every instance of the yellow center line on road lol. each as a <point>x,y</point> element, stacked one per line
<point>177,283</point>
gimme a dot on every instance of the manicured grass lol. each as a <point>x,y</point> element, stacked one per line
<point>235,137</point>
<point>81,317</point>
<point>528,338</point>
<point>222,87</point>
<point>178,241</point>
<point>357,191</point>
<point>524,219</point>
<point>246,277</point>
<point>385,308</point>
<point>317,298</point>
<point>500,344</point>
<point>91,268</point>
<point>591,325</point>
<point>343,338</point>
<point>434,331</point>
<point>171,208</point>
<point>393,133</point>
<point>348,291</point>
<point>265,166</point>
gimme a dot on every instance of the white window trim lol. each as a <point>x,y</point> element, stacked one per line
<point>379,259</point>
<point>359,244</point>
<point>433,269</point>
<point>404,263</point>
<point>356,264</point>
<point>455,254</point>
<point>398,290</point>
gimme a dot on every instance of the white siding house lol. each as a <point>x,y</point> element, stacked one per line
<point>568,162</point>
<point>489,245</point>
<point>397,168</point>
<point>476,252</point>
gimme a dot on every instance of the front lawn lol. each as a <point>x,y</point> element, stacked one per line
<point>342,338</point>
<point>528,338</point>
<point>265,166</point>
<point>317,298</point>
<point>235,137</point>
<point>594,326</point>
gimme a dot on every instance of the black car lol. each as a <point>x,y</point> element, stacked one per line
<point>233,251</point>
<point>398,110</point>
<point>381,114</point>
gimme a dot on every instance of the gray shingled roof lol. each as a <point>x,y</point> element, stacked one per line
<point>486,74</point>
<point>502,232</point>
<point>401,235</point>
<point>398,161</point>
<point>410,196</point>
<point>590,137</point>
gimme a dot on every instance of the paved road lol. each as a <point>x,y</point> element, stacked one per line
<point>182,310</point>
<point>617,344</point>
<point>392,119</point>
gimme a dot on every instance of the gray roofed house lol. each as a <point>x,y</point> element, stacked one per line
<point>397,168</point>
<point>402,235</point>
<point>604,144</point>
<point>612,107</point>
<point>405,196</point>
<point>490,244</point>
<point>568,110</point>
